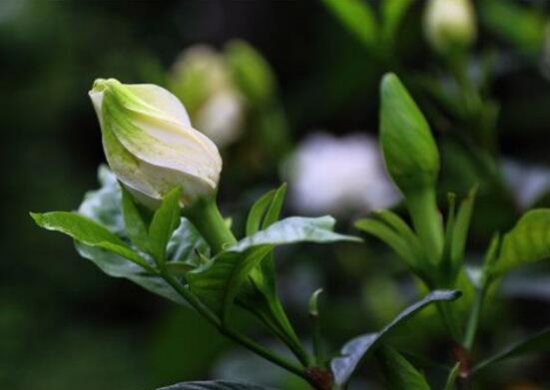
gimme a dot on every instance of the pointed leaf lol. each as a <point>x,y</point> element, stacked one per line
<point>218,283</point>
<point>527,242</point>
<point>274,210</point>
<point>257,212</point>
<point>462,225</point>
<point>537,343</point>
<point>165,221</point>
<point>358,348</point>
<point>118,267</point>
<point>294,230</point>
<point>213,385</point>
<point>395,241</point>
<point>88,232</point>
<point>136,228</point>
<point>399,373</point>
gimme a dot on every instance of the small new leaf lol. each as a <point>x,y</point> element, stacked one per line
<point>134,223</point>
<point>398,372</point>
<point>88,232</point>
<point>165,221</point>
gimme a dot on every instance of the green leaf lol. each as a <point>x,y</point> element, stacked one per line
<point>357,17</point>
<point>399,373</point>
<point>537,343</point>
<point>527,242</point>
<point>118,267</point>
<point>136,228</point>
<point>88,232</point>
<point>165,221</point>
<point>522,26</point>
<point>257,212</point>
<point>294,230</point>
<point>213,385</point>
<point>220,281</point>
<point>104,204</point>
<point>461,227</point>
<point>406,249</point>
<point>358,348</point>
<point>266,210</point>
<point>274,211</point>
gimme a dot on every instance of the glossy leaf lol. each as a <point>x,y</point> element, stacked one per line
<point>537,343</point>
<point>274,211</point>
<point>213,385</point>
<point>118,267</point>
<point>358,348</point>
<point>358,17</point>
<point>221,280</point>
<point>398,372</point>
<point>527,242</point>
<point>104,204</point>
<point>294,230</point>
<point>88,232</point>
<point>165,221</point>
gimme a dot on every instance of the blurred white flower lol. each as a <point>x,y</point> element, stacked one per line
<point>527,182</point>
<point>202,79</point>
<point>339,176</point>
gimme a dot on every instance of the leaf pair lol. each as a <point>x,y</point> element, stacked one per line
<point>356,350</point>
<point>152,238</point>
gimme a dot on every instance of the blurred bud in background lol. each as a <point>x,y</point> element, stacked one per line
<point>528,183</point>
<point>450,25</point>
<point>202,80</point>
<point>339,176</point>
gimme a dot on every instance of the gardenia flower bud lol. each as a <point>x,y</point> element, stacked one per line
<point>449,24</point>
<point>150,144</point>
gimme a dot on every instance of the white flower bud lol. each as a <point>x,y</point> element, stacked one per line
<point>449,25</point>
<point>150,144</point>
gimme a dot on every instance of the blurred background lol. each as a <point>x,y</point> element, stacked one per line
<point>289,92</point>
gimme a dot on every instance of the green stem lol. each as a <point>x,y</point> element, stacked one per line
<point>206,217</point>
<point>473,319</point>
<point>446,315</point>
<point>427,221</point>
<point>231,334</point>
